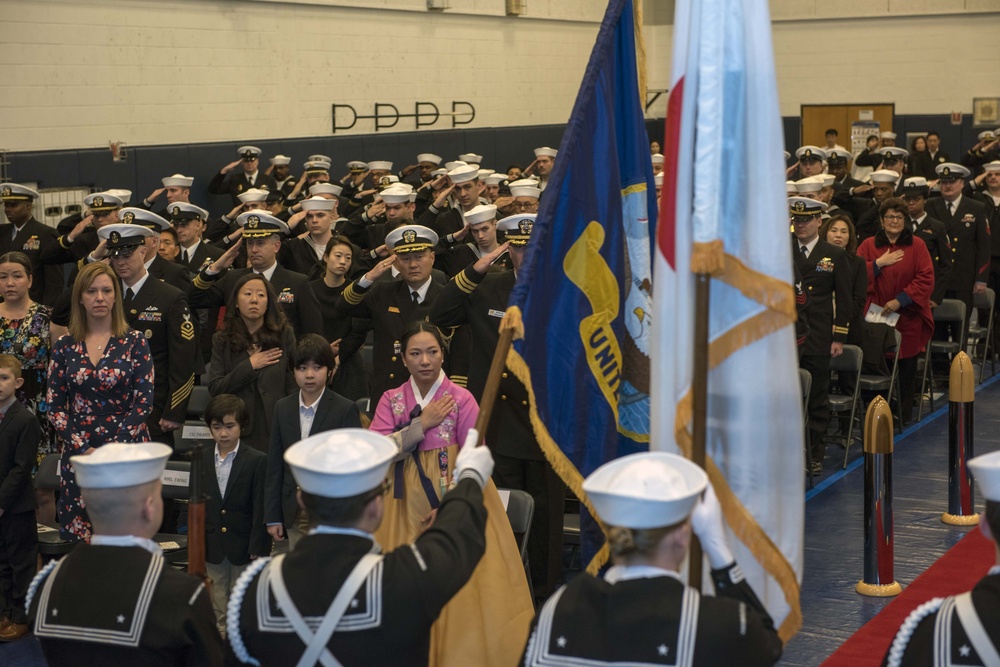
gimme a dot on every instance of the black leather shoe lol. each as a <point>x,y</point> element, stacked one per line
<point>816,468</point>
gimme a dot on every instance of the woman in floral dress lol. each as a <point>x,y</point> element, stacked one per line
<point>100,385</point>
<point>487,623</point>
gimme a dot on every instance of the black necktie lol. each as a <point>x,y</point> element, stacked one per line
<point>127,303</point>
<point>951,207</point>
<point>416,297</point>
<point>805,251</point>
<point>184,256</point>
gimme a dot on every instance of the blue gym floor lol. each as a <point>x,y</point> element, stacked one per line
<point>834,556</point>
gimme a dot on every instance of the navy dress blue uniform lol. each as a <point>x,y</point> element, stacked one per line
<point>236,183</point>
<point>35,240</point>
<point>932,232</point>
<point>971,247</point>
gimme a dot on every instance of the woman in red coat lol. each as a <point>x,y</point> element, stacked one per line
<point>900,279</point>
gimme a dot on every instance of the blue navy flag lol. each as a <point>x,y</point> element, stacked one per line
<point>585,290</point>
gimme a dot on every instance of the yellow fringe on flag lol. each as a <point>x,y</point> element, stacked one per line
<point>512,320</point>
<point>708,258</point>
<point>640,49</point>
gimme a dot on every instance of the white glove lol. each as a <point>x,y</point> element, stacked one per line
<point>474,462</point>
<point>707,524</point>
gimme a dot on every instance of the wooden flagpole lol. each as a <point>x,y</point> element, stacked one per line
<point>493,381</point>
<point>699,403</point>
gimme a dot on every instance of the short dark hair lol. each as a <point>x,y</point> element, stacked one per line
<point>171,232</point>
<point>313,348</point>
<point>224,405</point>
<point>932,133</point>
<point>833,131</point>
<point>341,512</point>
<point>893,204</point>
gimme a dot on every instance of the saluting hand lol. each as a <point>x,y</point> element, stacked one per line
<point>296,219</point>
<point>80,228</point>
<point>484,263</point>
<point>229,167</point>
<point>227,258</point>
<point>156,193</point>
<point>443,196</point>
<point>379,269</point>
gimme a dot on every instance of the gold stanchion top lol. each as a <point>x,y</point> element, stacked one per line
<point>878,427</point>
<point>961,383</point>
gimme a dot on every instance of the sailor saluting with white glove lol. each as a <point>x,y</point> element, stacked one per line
<point>641,612</point>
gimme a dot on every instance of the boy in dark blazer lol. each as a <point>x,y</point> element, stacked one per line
<point>19,437</point>
<point>234,512</point>
<point>313,409</point>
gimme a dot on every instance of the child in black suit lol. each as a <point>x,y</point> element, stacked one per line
<point>234,513</point>
<point>19,438</point>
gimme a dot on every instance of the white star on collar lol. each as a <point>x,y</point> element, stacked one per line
<point>561,642</point>
<point>662,649</point>
<point>121,618</point>
<point>964,650</point>
<point>354,604</point>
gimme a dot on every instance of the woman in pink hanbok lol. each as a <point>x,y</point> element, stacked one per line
<point>429,416</point>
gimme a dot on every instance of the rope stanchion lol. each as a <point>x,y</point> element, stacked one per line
<point>961,403</point>
<point>878,576</point>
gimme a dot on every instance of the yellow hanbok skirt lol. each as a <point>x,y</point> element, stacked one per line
<point>487,622</point>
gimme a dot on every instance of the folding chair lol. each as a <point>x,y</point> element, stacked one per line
<point>848,362</point>
<point>805,382</point>
<point>979,334</point>
<point>951,311</point>
<point>520,510</point>
<point>887,383</point>
<point>194,428</point>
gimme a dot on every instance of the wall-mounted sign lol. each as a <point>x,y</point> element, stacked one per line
<point>387,115</point>
<point>956,117</point>
<point>986,111</point>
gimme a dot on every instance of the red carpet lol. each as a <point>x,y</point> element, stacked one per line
<point>956,571</point>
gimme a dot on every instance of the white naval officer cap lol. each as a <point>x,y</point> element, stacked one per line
<point>884,176</point>
<point>17,192</point>
<point>987,135</point>
<point>463,174</point>
<point>140,216</point>
<point>809,184</point>
<point>248,152</point>
<point>341,463</point>
<point>325,189</point>
<point>545,151</point>
<point>252,195</point>
<point>645,490</point>
<point>383,165</point>
<point>357,166</point>
<point>791,188</point>
<point>951,171</point>
<point>316,167</point>
<point>888,135</point>
<point>183,212</point>
<point>429,157</point>
<point>805,208</point>
<point>481,213</point>
<point>317,203</point>
<point>118,465</point>
<point>657,158</point>
<point>102,201</point>
<point>411,238</point>
<point>893,153</point>
<point>319,158</point>
<point>838,154</point>
<point>470,158</point>
<point>258,224</point>
<point>177,181</point>
<point>986,469</point>
<point>124,238</point>
<point>282,160</point>
<point>517,228</point>
<point>810,153</point>
<point>398,193</point>
<point>915,185</point>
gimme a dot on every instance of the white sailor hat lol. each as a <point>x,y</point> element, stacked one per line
<point>258,224</point>
<point>517,228</point>
<point>411,238</point>
<point>657,180</point>
<point>546,151</point>
<point>645,490</point>
<point>325,189</point>
<point>495,178</point>
<point>986,469</point>
<point>480,214</point>
<point>810,153</point>
<point>118,465</point>
<point>893,153</point>
<point>787,156</point>
<point>470,158</point>
<point>951,171</point>
<point>805,208</point>
<point>17,192</point>
<point>177,181</point>
<point>248,153</point>
<point>456,164</point>
<point>140,216</point>
<point>319,158</point>
<point>987,135</point>
<point>317,203</point>
<point>398,193</point>
<point>429,157</point>
<point>888,135</point>
<point>341,463</point>
<point>439,172</point>
<point>463,174</point>
<point>657,158</point>
<point>883,176</point>
<point>102,201</point>
<point>828,180</point>
<point>316,167</point>
<point>915,185</point>
<point>382,165</point>
<point>357,166</point>
<point>124,195</point>
<point>836,154</point>
<point>123,239</point>
<point>809,184</point>
<point>282,160</point>
<point>182,212</point>
<point>992,166</point>
<point>791,188</point>
<point>483,173</point>
<point>252,195</point>
<point>525,188</point>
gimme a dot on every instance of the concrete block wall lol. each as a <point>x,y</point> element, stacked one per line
<point>82,74</point>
